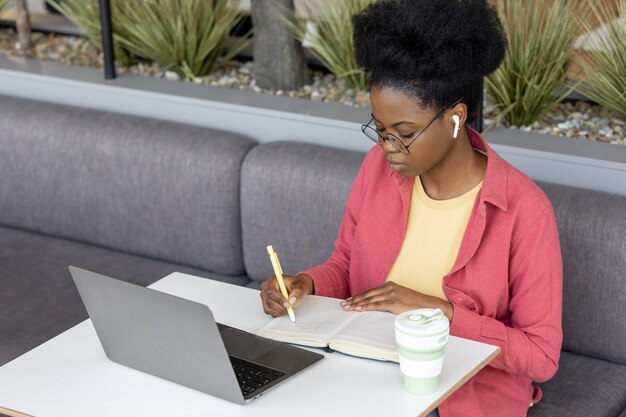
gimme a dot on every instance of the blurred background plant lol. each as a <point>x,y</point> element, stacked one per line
<point>85,14</point>
<point>328,34</point>
<point>533,77</point>
<point>604,60</point>
<point>189,37</point>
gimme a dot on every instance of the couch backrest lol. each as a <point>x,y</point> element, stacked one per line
<point>592,231</point>
<point>143,186</point>
<point>293,196</point>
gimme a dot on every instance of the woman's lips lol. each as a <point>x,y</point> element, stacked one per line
<point>396,166</point>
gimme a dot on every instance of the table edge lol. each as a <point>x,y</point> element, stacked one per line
<point>12,413</point>
<point>461,382</point>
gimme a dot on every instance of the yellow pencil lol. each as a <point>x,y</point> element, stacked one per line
<point>278,271</point>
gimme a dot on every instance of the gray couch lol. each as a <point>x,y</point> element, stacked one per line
<point>138,199</point>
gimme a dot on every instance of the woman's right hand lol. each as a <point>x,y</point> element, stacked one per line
<point>298,287</point>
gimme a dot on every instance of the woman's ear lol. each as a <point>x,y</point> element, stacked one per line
<point>459,116</point>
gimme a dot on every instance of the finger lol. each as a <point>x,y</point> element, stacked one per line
<point>385,293</point>
<point>383,289</point>
<point>376,298</point>
<point>298,293</point>
<point>377,302</point>
<point>275,302</point>
<point>278,298</point>
<point>357,299</point>
<point>289,282</point>
<point>275,309</point>
<point>271,308</point>
<point>266,304</point>
<point>296,296</point>
<point>272,287</point>
<point>381,305</point>
<point>271,295</point>
<point>298,288</point>
<point>263,295</point>
<point>267,288</point>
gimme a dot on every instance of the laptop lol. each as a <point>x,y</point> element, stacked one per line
<point>177,339</point>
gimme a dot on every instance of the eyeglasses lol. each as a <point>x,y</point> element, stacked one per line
<point>374,135</point>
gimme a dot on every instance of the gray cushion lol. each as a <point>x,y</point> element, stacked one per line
<point>255,285</point>
<point>592,231</point>
<point>293,197</point>
<point>623,414</point>
<point>583,387</point>
<point>37,294</point>
<point>153,188</point>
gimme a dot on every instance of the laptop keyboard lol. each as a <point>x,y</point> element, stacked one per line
<point>251,376</point>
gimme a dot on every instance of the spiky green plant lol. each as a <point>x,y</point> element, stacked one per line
<point>329,35</point>
<point>533,76</point>
<point>604,65</point>
<point>86,15</point>
<point>189,37</point>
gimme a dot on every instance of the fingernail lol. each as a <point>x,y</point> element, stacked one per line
<point>286,305</point>
<point>292,300</point>
<point>343,303</point>
<point>359,308</point>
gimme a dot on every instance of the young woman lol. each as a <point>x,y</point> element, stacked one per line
<point>435,217</point>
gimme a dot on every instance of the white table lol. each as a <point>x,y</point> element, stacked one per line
<point>70,376</point>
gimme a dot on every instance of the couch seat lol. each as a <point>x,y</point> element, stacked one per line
<point>583,387</point>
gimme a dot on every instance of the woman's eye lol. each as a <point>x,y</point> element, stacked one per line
<point>409,136</point>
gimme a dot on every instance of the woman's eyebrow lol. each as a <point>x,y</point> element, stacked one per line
<point>396,124</point>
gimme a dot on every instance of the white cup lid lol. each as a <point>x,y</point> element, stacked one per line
<point>423,321</point>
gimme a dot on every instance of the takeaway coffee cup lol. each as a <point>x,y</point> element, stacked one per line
<point>421,336</point>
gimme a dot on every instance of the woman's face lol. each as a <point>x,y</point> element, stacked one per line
<point>400,114</point>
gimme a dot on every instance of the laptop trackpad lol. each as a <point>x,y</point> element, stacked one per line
<point>245,345</point>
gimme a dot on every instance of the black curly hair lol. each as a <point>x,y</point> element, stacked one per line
<point>434,50</point>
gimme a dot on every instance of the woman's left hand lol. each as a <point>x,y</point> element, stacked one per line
<point>395,299</point>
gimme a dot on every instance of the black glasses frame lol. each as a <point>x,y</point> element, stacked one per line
<point>395,141</point>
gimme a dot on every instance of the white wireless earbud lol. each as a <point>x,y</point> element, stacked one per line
<point>457,123</point>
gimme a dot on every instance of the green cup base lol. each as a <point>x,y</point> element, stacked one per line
<point>421,386</point>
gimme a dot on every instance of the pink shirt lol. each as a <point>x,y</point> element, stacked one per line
<point>505,285</point>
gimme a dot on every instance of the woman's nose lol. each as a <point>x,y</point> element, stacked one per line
<point>387,146</point>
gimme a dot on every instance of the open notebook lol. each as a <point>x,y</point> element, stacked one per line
<point>321,322</point>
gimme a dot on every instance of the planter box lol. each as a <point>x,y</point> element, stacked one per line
<point>267,118</point>
<point>561,160</point>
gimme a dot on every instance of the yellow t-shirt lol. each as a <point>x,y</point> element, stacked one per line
<point>431,243</point>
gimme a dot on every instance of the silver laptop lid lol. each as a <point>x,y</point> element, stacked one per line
<point>157,333</point>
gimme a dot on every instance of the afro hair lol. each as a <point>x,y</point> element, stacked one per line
<point>436,50</point>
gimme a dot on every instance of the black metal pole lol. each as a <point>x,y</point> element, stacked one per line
<point>107,39</point>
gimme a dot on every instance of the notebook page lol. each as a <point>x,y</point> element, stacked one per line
<point>317,320</point>
<point>371,334</point>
